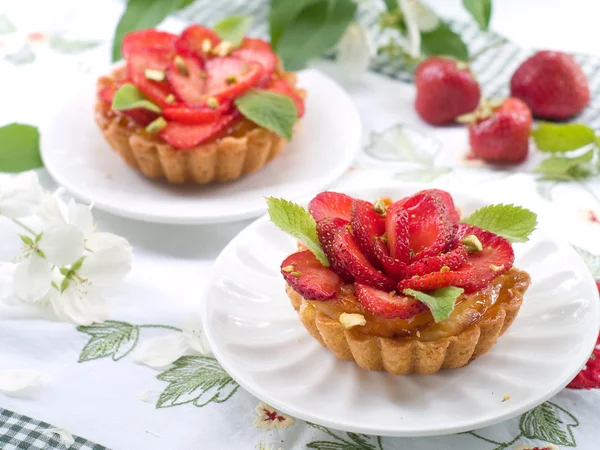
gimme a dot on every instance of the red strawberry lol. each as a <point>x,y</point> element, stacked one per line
<point>448,203</point>
<point>454,259</point>
<point>230,77</point>
<point>396,227</point>
<point>386,304</point>
<point>552,84</point>
<point>191,40</point>
<point>282,87</point>
<point>433,280</point>
<point>187,80</point>
<point>326,230</point>
<point>257,50</point>
<point>502,136</point>
<point>598,285</point>
<point>137,63</point>
<point>308,277</point>
<point>183,136</point>
<point>589,377</point>
<point>393,267</point>
<point>367,227</point>
<point>191,116</point>
<point>347,253</point>
<point>330,204</point>
<point>147,39</point>
<point>445,90</point>
<point>139,115</point>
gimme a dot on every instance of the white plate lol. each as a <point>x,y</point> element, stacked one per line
<point>77,156</point>
<point>257,337</point>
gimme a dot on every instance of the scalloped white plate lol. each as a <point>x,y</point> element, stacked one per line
<point>77,156</point>
<point>257,337</point>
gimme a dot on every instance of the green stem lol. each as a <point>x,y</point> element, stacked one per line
<point>379,443</point>
<point>25,227</point>
<point>472,433</point>
<point>501,445</point>
<point>494,44</point>
<point>166,327</point>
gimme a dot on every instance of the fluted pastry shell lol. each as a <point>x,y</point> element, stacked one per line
<point>404,355</point>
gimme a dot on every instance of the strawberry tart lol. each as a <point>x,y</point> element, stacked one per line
<point>404,286</point>
<point>173,110</point>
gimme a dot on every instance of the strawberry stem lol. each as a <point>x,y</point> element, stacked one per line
<point>494,44</point>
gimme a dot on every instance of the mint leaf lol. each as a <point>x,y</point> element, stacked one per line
<point>129,97</point>
<point>444,41</point>
<point>281,13</point>
<point>19,148</point>
<point>509,221</point>
<point>481,10</point>
<point>296,221</point>
<point>553,137</point>
<point>440,301</point>
<point>313,31</point>
<point>233,29</point>
<point>560,168</point>
<point>140,14</point>
<point>271,110</point>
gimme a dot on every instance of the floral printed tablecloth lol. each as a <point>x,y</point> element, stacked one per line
<point>93,383</point>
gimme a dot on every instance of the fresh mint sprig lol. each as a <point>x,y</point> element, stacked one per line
<point>271,110</point>
<point>233,29</point>
<point>440,301</point>
<point>130,97</point>
<point>509,221</point>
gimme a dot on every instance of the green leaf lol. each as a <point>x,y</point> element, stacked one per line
<point>592,261</point>
<point>440,301</point>
<point>549,423</point>
<point>391,5</point>
<point>233,29</point>
<point>514,223</point>
<point>129,97</point>
<point>61,44</point>
<point>561,168</point>
<point>329,445</point>
<point>316,29</point>
<point>281,13</point>
<point>26,240</point>
<point>444,41</point>
<point>19,148</point>
<point>398,143</point>
<point>195,379</point>
<point>111,338</point>
<point>297,221</point>
<point>271,110</point>
<point>481,10</point>
<point>554,137</point>
<point>140,14</point>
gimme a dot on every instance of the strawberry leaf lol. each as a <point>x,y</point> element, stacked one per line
<point>129,97</point>
<point>440,301</point>
<point>297,222</point>
<point>481,10</point>
<point>552,137</point>
<point>276,112</point>
<point>560,168</point>
<point>233,29</point>
<point>19,148</point>
<point>509,221</point>
<point>444,41</point>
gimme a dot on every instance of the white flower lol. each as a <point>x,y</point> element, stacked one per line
<point>19,194</point>
<point>192,330</point>
<point>427,20</point>
<point>354,51</point>
<point>413,34</point>
<point>16,381</point>
<point>65,436</point>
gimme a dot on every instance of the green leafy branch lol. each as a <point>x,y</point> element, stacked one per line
<point>354,441</point>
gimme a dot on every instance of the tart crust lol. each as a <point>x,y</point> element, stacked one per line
<point>224,158</point>
<point>404,355</point>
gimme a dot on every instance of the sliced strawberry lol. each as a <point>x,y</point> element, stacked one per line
<point>137,63</point>
<point>347,253</point>
<point>330,204</point>
<point>388,304</point>
<point>453,259</point>
<point>282,87</point>
<point>107,93</point>
<point>147,39</point>
<point>367,227</point>
<point>396,227</point>
<point>191,40</point>
<point>308,277</point>
<point>191,116</point>
<point>139,115</point>
<point>230,77</point>
<point>433,280</point>
<point>448,203</point>
<point>187,79</point>
<point>326,229</point>
<point>183,136</point>
<point>257,50</point>
<point>393,267</point>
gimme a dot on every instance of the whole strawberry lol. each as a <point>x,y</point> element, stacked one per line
<point>501,134</point>
<point>446,89</point>
<point>552,84</point>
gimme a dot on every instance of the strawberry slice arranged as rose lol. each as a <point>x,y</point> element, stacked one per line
<point>139,62</point>
<point>388,304</point>
<point>330,204</point>
<point>257,50</point>
<point>453,260</point>
<point>396,227</point>
<point>148,39</point>
<point>368,227</point>
<point>448,202</point>
<point>282,87</point>
<point>187,79</point>
<point>392,267</point>
<point>181,135</point>
<point>308,277</point>
<point>196,40</point>
<point>230,77</point>
<point>326,230</point>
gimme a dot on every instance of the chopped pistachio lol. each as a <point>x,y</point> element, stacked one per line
<point>212,102</point>
<point>384,238</point>
<point>380,206</point>
<point>288,269</point>
<point>296,274</point>
<point>181,66</point>
<point>156,125</point>
<point>506,397</point>
<point>170,98</point>
<point>444,269</point>
<point>230,79</point>
<point>472,243</point>
<point>155,75</point>
<point>352,320</point>
<point>495,268</point>
<point>224,48</point>
<point>206,45</point>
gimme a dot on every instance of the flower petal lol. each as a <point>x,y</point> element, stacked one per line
<point>196,339</point>
<point>100,240</point>
<point>161,351</point>
<point>65,436</point>
<point>81,216</point>
<point>427,20</point>
<point>14,381</point>
<point>7,275</point>
<point>79,304</point>
<point>52,210</point>
<point>20,194</point>
<point>107,266</point>
<point>413,33</point>
<point>354,51</point>
<point>62,244</point>
<point>32,279</point>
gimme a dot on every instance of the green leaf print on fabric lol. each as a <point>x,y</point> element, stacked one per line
<point>111,338</point>
<point>354,441</point>
<point>196,379</point>
<point>591,260</point>
<point>549,422</point>
<point>402,144</point>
